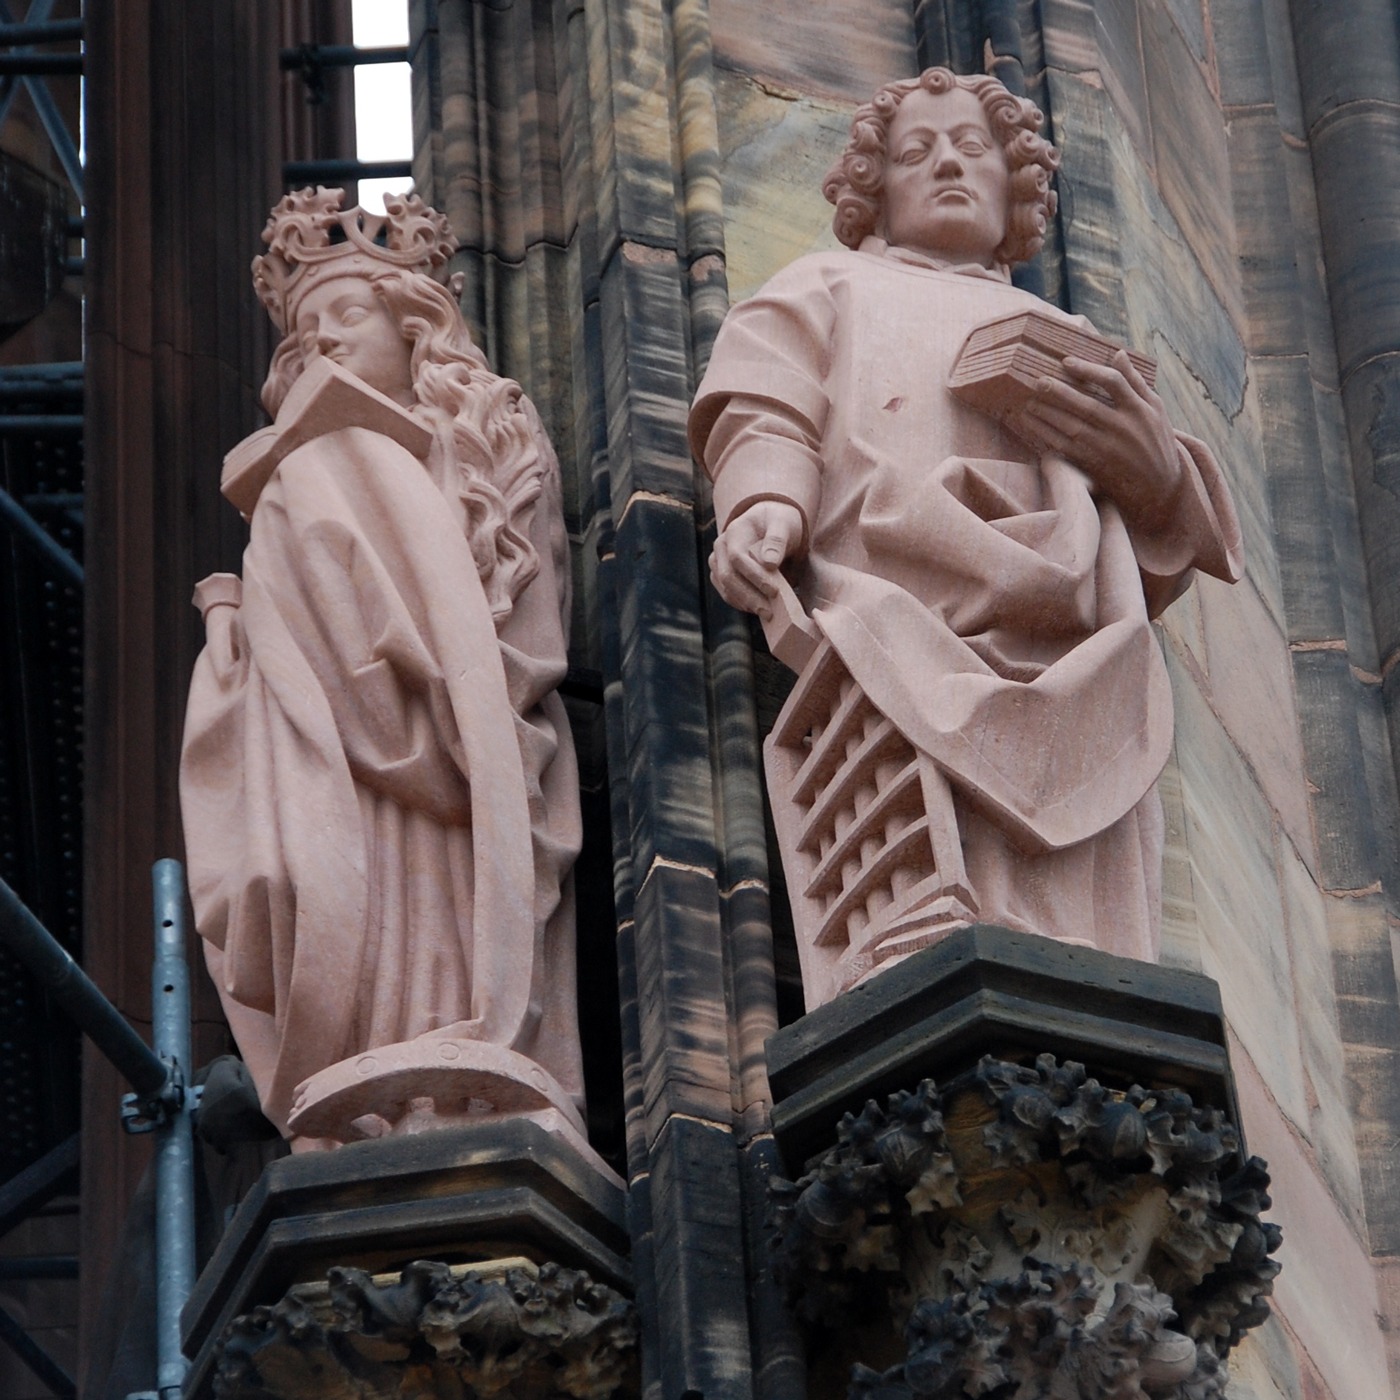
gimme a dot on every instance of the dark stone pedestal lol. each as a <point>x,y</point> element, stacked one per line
<point>988,991</point>
<point>1017,1168</point>
<point>503,1191</point>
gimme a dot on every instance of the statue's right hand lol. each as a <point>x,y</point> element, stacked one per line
<point>218,599</point>
<point>750,551</point>
<point>223,635</point>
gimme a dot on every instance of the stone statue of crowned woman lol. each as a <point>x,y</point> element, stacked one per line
<point>378,781</point>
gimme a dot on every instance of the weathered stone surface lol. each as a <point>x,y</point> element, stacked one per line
<point>1326,1292</point>
<point>1243,54</point>
<point>1349,559</point>
<point>1067,35</point>
<point>776,147</point>
<point>1265,1365</point>
<point>507,1187</point>
<point>1230,835</point>
<point>1388,1282</point>
<point>654,160</point>
<point>1191,156</point>
<point>684,1034</point>
<point>1300,508</point>
<point>1347,62</point>
<point>1329,1128</point>
<point>1102,39</point>
<point>779,1360</point>
<point>1190,19</point>
<point>1184,627</point>
<point>744,858</point>
<point>1384,800</point>
<point>1320,339</point>
<point>507,1327</point>
<point>646,375</point>
<point>1181,938</point>
<point>1361,235</point>
<point>694,1201</point>
<point>1364,970</point>
<point>746,911</point>
<point>628,59</point>
<point>698,187</point>
<point>667,739</point>
<point>1351,854</point>
<point>1268,242</point>
<point>1117,30</point>
<point>951,1213</point>
<point>1372,400</point>
<point>1129,266</point>
<point>1251,685</point>
<point>822,47</point>
<point>1236,439</point>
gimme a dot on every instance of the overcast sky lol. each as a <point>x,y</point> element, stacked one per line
<point>383,115</point>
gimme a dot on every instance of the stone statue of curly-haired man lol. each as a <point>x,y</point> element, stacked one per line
<point>855,183</point>
<point>965,587</point>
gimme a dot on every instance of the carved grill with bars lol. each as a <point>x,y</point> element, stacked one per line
<point>867,830</point>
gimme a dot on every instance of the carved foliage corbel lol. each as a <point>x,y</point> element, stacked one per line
<point>1033,1233</point>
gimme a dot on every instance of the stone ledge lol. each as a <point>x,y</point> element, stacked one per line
<point>457,1195</point>
<point>988,991</point>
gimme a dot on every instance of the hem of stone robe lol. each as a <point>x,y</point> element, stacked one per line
<point>1105,891</point>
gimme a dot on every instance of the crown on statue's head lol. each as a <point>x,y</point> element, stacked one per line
<point>311,239</point>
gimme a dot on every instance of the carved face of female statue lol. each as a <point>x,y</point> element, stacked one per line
<point>346,320</point>
<point>947,180</point>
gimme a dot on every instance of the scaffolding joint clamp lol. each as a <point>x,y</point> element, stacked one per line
<point>144,1113</point>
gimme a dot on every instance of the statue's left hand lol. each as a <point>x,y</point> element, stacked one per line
<point>1125,445</point>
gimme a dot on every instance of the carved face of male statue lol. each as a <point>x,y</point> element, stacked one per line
<point>344,320</point>
<point>946,180</point>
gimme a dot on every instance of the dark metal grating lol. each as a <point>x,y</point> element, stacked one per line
<point>41,736</point>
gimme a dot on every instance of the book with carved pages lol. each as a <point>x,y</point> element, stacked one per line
<point>1002,361</point>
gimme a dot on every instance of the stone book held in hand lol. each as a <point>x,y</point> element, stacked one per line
<point>1002,360</point>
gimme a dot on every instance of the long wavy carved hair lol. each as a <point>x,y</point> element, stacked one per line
<point>855,184</point>
<point>481,418</point>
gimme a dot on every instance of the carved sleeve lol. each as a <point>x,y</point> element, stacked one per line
<point>761,410</point>
<point>1204,532</point>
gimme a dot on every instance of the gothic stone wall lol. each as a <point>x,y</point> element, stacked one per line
<point>1189,228</point>
<point>617,168</point>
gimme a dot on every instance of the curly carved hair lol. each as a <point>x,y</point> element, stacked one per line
<point>482,419</point>
<point>855,184</point>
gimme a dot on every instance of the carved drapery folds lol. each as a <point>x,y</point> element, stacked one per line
<point>507,1328</point>
<point>1032,1233</point>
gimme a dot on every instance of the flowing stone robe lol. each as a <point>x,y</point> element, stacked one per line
<point>988,599</point>
<point>379,789</point>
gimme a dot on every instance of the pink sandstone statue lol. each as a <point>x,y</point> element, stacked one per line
<point>378,781</point>
<point>962,576</point>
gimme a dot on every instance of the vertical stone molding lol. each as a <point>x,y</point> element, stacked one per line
<point>575,149</point>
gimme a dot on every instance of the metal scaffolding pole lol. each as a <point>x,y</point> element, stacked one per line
<point>170,1008</point>
<point>163,1103</point>
<point>79,996</point>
